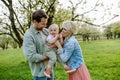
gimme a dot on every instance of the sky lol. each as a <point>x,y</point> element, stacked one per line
<point>113,4</point>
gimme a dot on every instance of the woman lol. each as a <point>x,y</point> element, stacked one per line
<point>71,52</point>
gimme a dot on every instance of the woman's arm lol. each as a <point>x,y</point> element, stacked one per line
<point>61,39</point>
<point>66,52</point>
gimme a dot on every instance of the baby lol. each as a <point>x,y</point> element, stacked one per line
<point>51,51</point>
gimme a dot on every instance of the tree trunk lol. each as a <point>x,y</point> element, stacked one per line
<point>17,37</point>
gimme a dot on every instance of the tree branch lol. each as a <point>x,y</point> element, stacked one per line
<point>109,20</point>
<point>51,6</point>
<point>19,23</point>
<point>91,9</point>
<point>33,5</point>
<point>4,33</point>
<point>22,5</point>
<point>86,22</point>
<point>97,24</point>
<point>42,3</point>
<point>4,1</point>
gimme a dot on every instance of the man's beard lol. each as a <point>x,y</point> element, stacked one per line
<point>39,29</point>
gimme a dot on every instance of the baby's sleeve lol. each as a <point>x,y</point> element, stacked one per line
<point>49,37</point>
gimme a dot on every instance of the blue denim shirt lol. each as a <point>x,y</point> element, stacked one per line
<point>71,53</point>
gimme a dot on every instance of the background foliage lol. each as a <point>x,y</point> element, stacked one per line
<point>16,19</point>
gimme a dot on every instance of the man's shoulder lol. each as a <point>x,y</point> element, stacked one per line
<point>27,32</point>
<point>45,30</point>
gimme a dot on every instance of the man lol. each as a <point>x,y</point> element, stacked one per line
<point>33,45</point>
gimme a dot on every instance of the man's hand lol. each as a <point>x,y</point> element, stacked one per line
<point>44,57</point>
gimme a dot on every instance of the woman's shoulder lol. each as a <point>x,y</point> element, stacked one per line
<point>72,39</point>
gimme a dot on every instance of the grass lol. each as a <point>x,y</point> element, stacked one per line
<point>101,57</point>
<point>12,65</point>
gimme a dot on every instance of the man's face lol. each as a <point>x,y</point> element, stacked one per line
<point>41,24</point>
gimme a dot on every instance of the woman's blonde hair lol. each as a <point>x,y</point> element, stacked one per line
<point>70,26</point>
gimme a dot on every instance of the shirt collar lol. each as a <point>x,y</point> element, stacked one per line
<point>32,28</point>
<point>66,39</point>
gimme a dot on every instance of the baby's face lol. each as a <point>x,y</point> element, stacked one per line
<point>54,30</point>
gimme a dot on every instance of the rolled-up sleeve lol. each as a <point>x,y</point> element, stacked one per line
<point>66,52</point>
<point>29,49</point>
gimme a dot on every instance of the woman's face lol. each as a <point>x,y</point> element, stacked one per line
<point>65,32</point>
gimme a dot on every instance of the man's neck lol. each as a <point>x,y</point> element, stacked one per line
<point>38,29</point>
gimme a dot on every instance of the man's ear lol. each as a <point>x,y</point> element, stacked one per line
<point>34,21</point>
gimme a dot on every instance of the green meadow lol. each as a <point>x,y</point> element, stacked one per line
<point>102,58</point>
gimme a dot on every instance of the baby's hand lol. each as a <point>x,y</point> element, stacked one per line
<point>57,35</point>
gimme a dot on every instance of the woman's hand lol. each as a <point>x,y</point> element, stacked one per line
<point>60,36</point>
<point>66,67</point>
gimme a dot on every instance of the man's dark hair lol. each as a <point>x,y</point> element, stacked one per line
<point>37,15</point>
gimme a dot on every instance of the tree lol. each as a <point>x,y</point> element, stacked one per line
<point>81,16</point>
<point>108,32</point>
<point>14,33</point>
<point>4,41</point>
<point>116,29</point>
<point>61,15</point>
<point>48,5</point>
<point>112,30</point>
<point>15,29</point>
<point>18,18</point>
<point>94,33</point>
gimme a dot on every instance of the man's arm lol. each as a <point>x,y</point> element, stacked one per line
<point>29,49</point>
